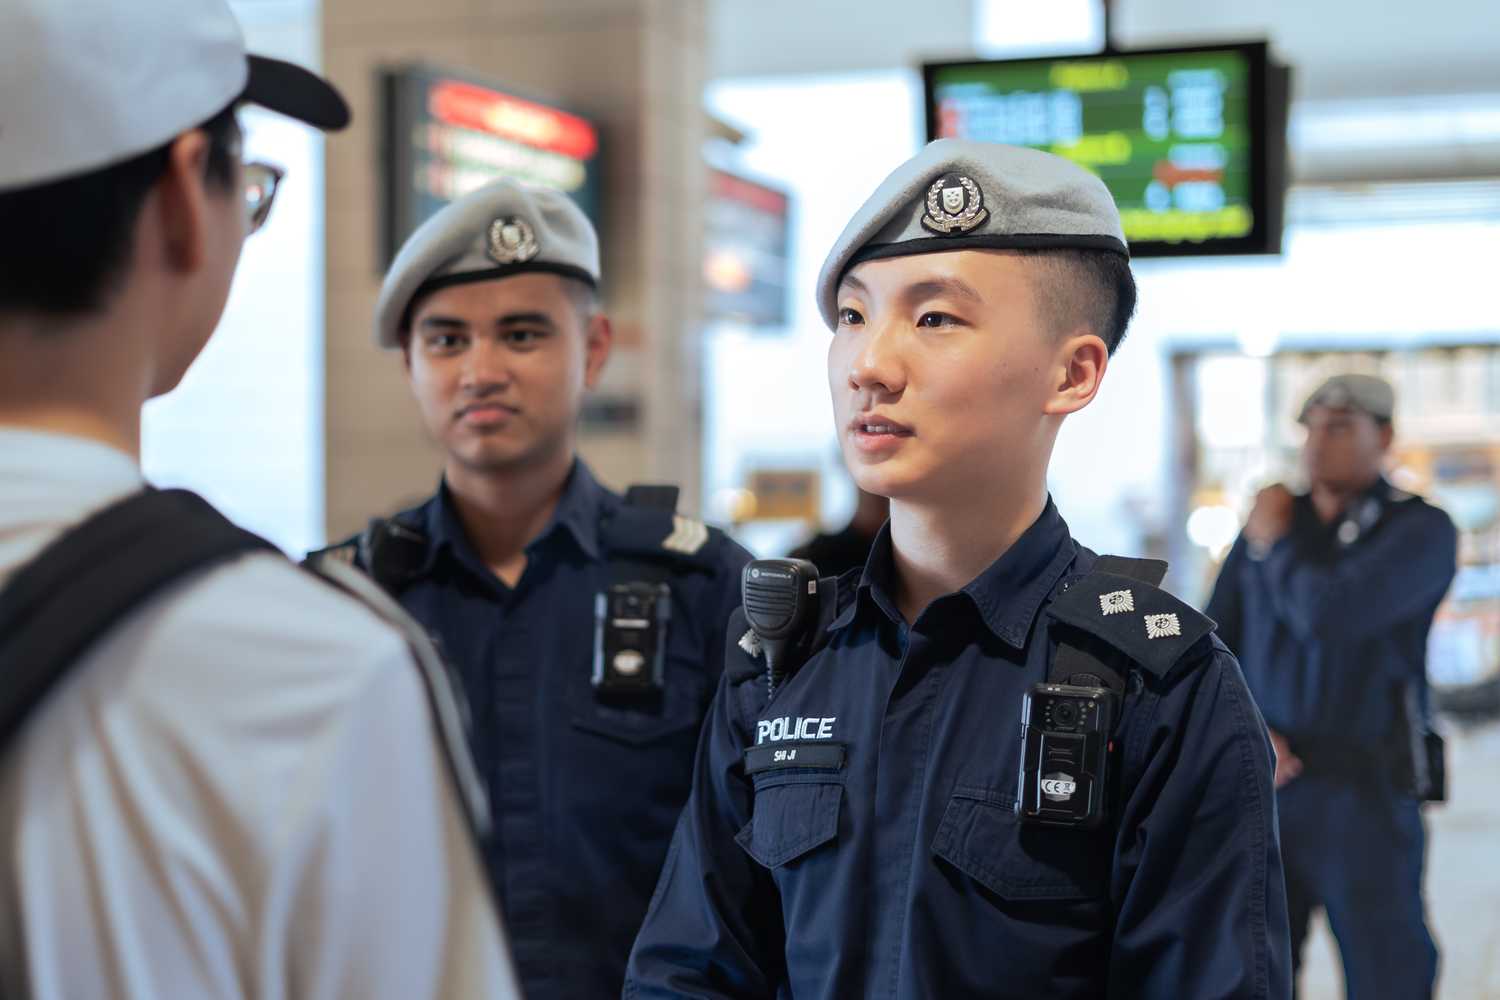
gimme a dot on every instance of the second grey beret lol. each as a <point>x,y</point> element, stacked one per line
<point>495,231</point>
<point>960,195</point>
<point>1353,392</point>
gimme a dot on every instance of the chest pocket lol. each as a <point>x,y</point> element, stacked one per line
<point>796,811</point>
<point>981,837</point>
<point>679,709</point>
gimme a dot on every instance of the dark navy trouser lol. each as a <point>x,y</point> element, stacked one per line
<point>1356,850</point>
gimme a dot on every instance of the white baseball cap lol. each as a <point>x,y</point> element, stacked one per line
<point>85,84</point>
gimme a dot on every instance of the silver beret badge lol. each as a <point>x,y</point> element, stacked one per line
<point>512,240</point>
<point>955,205</point>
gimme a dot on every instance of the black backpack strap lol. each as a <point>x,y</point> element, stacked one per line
<point>1117,608</point>
<point>55,607</point>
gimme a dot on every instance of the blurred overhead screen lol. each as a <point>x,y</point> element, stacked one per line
<point>447,133</point>
<point>1190,141</point>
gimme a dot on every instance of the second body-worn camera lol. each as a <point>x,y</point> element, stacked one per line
<point>1065,749</point>
<point>630,639</point>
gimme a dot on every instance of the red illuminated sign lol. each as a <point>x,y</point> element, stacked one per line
<point>465,105</point>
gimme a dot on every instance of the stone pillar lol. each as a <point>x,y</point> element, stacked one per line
<point>634,66</point>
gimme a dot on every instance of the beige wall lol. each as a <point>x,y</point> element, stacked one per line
<point>636,67</point>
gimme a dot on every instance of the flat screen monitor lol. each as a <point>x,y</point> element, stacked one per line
<point>1191,142</point>
<point>447,133</point>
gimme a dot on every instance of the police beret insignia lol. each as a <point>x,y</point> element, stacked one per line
<point>512,240</point>
<point>955,205</point>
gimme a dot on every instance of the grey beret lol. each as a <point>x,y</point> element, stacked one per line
<point>501,229</point>
<point>1353,392</point>
<point>960,195</point>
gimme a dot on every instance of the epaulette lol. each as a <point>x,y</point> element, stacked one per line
<point>647,527</point>
<point>1150,626</point>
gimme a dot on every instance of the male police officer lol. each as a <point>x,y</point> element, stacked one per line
<point>858,834</point>
<point>1327,598</point>
<point>239,789</point>
<point>588,683</point>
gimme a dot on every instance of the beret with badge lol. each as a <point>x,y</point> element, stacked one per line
<point>1353,392</point>
<point>495,231</point>
<point>961,195</point>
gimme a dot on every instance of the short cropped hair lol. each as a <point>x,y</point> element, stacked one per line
<point>68,243</point>
<point>1090,288</point>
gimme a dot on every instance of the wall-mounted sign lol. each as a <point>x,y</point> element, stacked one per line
<point>447,133</point>
<point>745,257</point>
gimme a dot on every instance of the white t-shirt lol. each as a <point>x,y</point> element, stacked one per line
<point>236,793</point>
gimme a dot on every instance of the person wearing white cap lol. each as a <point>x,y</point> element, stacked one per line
<point>587,627</point>
<point>220,777</point>
<point>1328,598</point>
<point>1007,767</point>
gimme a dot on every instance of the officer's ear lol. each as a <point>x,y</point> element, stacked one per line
<point>181,203</point>
<point>599,338</point>
<point>1076,372</point>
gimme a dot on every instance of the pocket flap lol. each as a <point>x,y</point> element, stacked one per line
<point>981,836</point>
<point>791,819</point>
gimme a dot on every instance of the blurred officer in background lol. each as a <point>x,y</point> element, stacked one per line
<point>587,628</point>
<point>1327,599</point>
<point>221,777</point>
<point>874,827</point>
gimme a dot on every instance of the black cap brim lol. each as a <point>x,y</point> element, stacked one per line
<point>288,89</point>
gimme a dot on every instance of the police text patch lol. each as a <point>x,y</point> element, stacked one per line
<point>774,756</point>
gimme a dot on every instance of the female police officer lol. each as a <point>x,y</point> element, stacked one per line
<point>879,851</point>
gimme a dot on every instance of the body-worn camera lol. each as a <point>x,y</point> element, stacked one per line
<point>630,639</point>
<point>1065,749</point>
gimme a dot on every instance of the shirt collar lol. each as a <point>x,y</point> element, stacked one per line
<point>1006,596</point>
<point>578,514</point>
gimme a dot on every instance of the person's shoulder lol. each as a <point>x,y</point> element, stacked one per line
<point>649,528</point>
<point>1418,510</point>
<point>261,612</point>
<point>1141,621</point>
<point>725,552</point>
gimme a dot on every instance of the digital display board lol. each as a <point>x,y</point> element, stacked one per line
<point>746,251</point>
<point>448,133</point>
<point>1190,141</point>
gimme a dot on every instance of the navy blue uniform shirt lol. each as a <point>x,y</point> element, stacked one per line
<point>1332,620</point>
<point>584,794</point>
<point>896,868</point>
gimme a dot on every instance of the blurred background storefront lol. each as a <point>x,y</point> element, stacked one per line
<point>719,145</point>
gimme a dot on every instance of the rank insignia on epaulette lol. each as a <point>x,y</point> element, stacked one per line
<point>1116,602</point>
<point>1162,626</point>
<point>750,643</point>
<point>687,537</point>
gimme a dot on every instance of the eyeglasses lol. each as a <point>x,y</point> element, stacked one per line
<point>261,180</point>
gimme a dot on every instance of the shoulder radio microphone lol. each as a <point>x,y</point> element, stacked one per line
<point>781,601</point>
